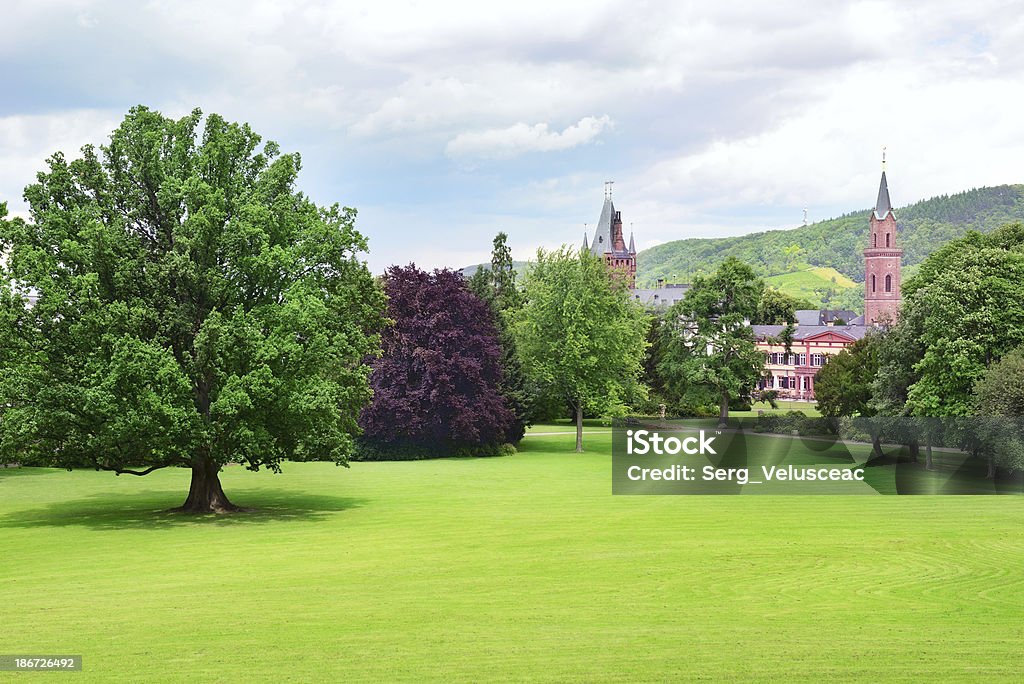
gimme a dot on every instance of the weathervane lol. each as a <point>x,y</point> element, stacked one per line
<point>608,189</point>
<point>883,157</point>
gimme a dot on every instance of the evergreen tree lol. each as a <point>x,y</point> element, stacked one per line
<point>497,286</point>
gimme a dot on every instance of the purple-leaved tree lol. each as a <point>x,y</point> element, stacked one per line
<point>436,385</point>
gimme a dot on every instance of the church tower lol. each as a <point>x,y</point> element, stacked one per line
<point>882,261</point>
<point>609,241</point>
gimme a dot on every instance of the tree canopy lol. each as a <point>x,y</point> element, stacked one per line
<point>436,388</point>
<point>497,286</point>
<point>843,387</point>
<point>708,340</point>
<point>194,309</point>
<point>580,335</point>
<point>964,307</point>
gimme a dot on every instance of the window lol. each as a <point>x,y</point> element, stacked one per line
<point>872,282</point>
<point>803,359</point>
<point>875,238</point>
<point>817,359</point>
<point>888,283</point>
<point>807,383</point>
<point>886,239</point>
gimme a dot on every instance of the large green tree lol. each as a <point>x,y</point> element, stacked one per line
<point>707,336</point>
<point>843,387</point>
<point>581,336</point>
<point>194,309</point>
<point>999,407</point>
<point>778,308</point>
<point>965,306</point>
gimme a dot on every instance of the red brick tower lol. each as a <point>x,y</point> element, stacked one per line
<point>882,262</point>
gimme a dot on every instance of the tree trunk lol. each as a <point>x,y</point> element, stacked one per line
<point>876,444</point>
<point>723,411</point>
<point>991,474</point>
<point>205,495</point>
<point>915,450</point>
<point>579,429</point>
<point>928,463</point>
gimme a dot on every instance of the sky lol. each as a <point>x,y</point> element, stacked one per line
<point>446,122</point>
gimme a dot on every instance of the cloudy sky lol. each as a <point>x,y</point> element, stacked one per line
<point>444,122</point>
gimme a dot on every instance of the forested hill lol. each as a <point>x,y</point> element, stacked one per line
<point>838,243</point>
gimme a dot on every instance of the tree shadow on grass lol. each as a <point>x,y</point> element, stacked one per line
<point>151,510</point>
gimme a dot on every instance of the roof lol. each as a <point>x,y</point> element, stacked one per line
<point>660,296</point>
<point>824,316</point>
<point>632,245</point>
<point>603,232</point>
<point>882,205</point>
<point>803,332</point>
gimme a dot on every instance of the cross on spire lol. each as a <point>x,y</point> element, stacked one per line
<point>608,189</point>
<point>883,157</point>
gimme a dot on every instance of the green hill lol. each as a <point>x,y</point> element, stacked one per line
<point>519,266</point>
<point>837,243</point>
<point>822,286</point>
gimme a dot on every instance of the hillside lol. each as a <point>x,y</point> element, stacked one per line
<point>519,266</point>
<point>837,243</point>
<point>820,285</point>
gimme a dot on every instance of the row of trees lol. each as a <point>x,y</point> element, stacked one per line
<point>191,308</point>
<point>957,351</point>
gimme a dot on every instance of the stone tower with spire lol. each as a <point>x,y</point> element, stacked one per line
<point>882,261</point>
<point>609,241</point>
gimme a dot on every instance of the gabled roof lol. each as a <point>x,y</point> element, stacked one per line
<point>807,332</point>
<point>882,205</point>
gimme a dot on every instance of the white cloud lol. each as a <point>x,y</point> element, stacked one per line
<point>26,140</point>
<point>502,143</point>
<point>727,116</point>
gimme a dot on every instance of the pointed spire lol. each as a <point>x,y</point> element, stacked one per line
<point>585,246</point>
<point>882,205</point>
<point>632,245</point>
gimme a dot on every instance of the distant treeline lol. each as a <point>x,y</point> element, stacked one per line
<point>839,242</point>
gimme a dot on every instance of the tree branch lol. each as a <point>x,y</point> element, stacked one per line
<point>140,473</point>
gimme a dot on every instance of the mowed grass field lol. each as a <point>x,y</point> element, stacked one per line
<point>508,569</point>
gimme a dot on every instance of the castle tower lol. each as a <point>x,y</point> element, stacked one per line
<point>882,262</point>
<point>609,241</point>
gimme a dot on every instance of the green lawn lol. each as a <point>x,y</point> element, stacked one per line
<point>523,567</point>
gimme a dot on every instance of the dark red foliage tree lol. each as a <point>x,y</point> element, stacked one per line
<point>436,385</point>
